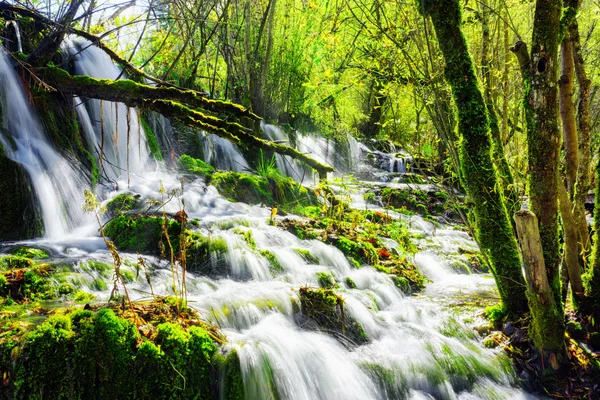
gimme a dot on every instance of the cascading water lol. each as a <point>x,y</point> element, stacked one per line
<point>112,130</point>
<point>222,154</point>
<point>15,26</point>
<point>58,183</point>
<point>414,349</point>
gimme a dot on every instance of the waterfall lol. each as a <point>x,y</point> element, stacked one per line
<point>222,154</point>
<point>112,130</point>
<point>15,26</point>
<point>58,183</point>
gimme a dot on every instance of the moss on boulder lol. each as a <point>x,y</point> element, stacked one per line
<point>275,191</point>
<point>86,354</point>
<point>323,309</point>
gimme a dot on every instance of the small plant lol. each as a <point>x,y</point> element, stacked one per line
<point>93,206</point>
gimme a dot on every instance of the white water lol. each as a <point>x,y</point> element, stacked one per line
<point>17,29</point>
<point>222,154</point>
<point>416,348</point>
<point>112,130</point>
<point>58,182</point>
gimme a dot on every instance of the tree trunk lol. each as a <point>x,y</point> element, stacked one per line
<point>494,230</point>
<point>543,134</point>
<point>582,186</point>
<point>593,277</point>
<point>567,114</point>
<point>545,327</point>
<point>571,254</point>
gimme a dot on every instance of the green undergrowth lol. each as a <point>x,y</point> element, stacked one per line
<point>323,309</point>
<point>114,354</point>
<point>364,245</point>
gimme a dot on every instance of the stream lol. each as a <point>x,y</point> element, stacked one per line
<point>418,346</point>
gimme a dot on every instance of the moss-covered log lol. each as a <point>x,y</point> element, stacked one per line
<point>177,104</point>
<point>494,229</point>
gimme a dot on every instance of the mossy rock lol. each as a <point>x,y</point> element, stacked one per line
<point>326,280</point>
<point>122,203</point>
<point>143,234</point>
<point>205,254</point>
<point>196,166</point>
<point>29,252</point>
<point>15,262</point>
<point>323,309</point>
<point>86,354</point>
<point>17,202</point>
<point>276,191</point>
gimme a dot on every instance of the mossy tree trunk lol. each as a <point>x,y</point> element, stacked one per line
<point>545,325</point>
<point>543,133</point>
<point>582,185</point>
<point>540,76</point>
<point>571,269</point>
<point>593,277</point>
<point>494,229</point>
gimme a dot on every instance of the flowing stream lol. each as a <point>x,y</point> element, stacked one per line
<point>417,348</point>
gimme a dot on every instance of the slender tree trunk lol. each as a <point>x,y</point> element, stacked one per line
<point>567,113</point>
<point>571,254</point>
<point>593,277</point>
<point>582,186</point>
<point>494,230</point>
<point>571,268</point>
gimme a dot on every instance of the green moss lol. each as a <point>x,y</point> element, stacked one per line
<point>100,355</point>
<point>326,280</point>
<point>269,255</point>
<point>307,256</point>
<point>496,313</point>
<point>196,166</point>
<point>231,373</point>
<point>350,283</point>
<point>247,235</point>
<point>15,262</point>
<point>103,269</point>
<point>276,191</point>
<point>151,140</point>
<point>204,253</point>
<point>142,234</point>
<point>121,203</point>
<point>29,252</point>
<point>36,287</point>
<point>324,309</point>
<point>99,285</point>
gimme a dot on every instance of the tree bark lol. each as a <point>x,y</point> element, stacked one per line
<point>582,186</point>
<point>494,229</point>
<point>543,134</point>
<point>567,114</point>
<point>545,325</point>
<point>571,254</point>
